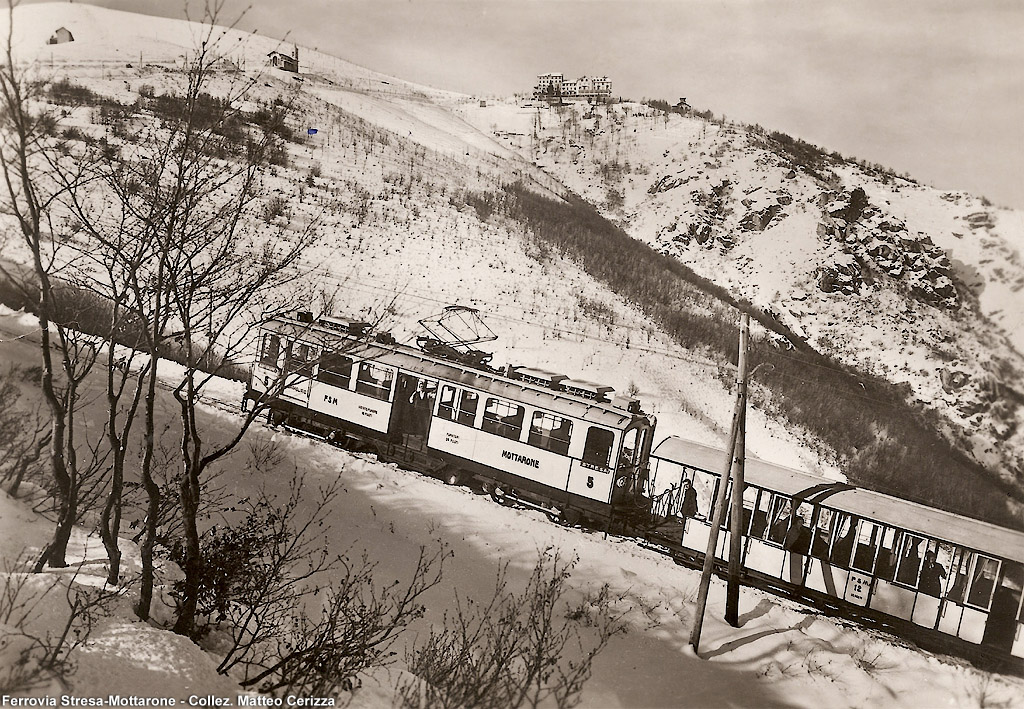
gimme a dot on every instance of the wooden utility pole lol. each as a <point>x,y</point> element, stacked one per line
<point>720,501</point>
<point>732,594</point>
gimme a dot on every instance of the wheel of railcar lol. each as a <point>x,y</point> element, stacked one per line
<point>452,476</point>
<point>486,487</point>
<point>499,494</point>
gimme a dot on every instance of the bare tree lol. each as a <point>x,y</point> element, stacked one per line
<point>28,163</point>
<point>322,653</point>
<point>300,619</point>
<point>187,269</point>
<point>216,270</point>
<point>515,650</point>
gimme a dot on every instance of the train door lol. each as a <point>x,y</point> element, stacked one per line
<point>414,405</point>
<point>769,525</point>
<point>700,510</point>
<point>969,598</point>
<point>299,360</point>
<point>862,567</point>
<point>899,561</point>
<point>831,548</point>
<point>797,543</point>
<point>937,558</point>
<point>1003,628</point>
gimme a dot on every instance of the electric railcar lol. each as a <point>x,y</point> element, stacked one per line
<point>559,445</point>
<point>947,581</point>
<point>523,434</point>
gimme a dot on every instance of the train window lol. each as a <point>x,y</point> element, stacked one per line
<point>335,370</point>
<point>503,418</point>
<point>844,532</point>
<point>958,576</point>
<point>983,581</point>
<point>270,351</point>
<point>778,518</point>
<point>631,442</point>
<point>446,403</point>
<point>759,522</point>
<point>597,451</point>
<point>798,534</point>
<point>298,356</point>
<point>888,548</point>
<point>824,525</point>
<point>467,408</point>
<point>550,432</point>
<point>933,571</point>
<point>1015,576</point>
<point>727,517</point>
<point>749,505</point>
<point>374,381</point>
<point>911,558</point>
<point>867,545</point>
<point>706,485</point>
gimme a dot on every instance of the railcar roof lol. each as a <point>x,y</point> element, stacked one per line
<point>904,514</point>
<point>411,359</point>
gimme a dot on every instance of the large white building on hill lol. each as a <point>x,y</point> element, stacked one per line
<point>553,86</point>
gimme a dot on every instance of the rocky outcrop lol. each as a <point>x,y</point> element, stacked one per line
<point>760,220</point>
<point>980,220</point>
<point>882,242</point>
<point>666,183</point>
<point>842,276</point>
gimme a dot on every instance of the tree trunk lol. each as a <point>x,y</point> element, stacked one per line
<point>148,575</point>
<point>185,623</point>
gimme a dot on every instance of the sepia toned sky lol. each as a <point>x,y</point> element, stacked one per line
<point>930,87</point>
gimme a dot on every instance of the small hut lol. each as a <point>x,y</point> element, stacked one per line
<point>61,36</point>
<point>285,62</point>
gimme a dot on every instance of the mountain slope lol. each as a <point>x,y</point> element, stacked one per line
<point>897,279</point>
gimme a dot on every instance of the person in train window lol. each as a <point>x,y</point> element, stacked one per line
<point>910,562</point>
<point>885,565</point>
<point>422,403</point>
<point>819,547</point>
<point>689,507</point>
<point>779,530</point>
<point>843,547</point>
<point>932,575</point>
<point>798,538</point>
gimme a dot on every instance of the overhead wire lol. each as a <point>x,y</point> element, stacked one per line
<point>368,287</point>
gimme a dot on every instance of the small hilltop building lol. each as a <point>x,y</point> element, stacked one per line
<point>61,36</point>
<point>285,62</point>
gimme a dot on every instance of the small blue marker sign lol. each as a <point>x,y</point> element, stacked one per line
<point>311,131</point>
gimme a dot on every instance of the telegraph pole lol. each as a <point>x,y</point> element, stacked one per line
<point>732,594</point>
<point>738,415</point>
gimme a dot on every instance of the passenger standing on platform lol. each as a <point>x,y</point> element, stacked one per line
<point>689,508</point>
<point>421,402</point>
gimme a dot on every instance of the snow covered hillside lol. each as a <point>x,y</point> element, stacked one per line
<point>386,176</point>
<point>919,286</point>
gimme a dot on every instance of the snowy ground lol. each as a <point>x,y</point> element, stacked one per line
<point>782,655</point>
